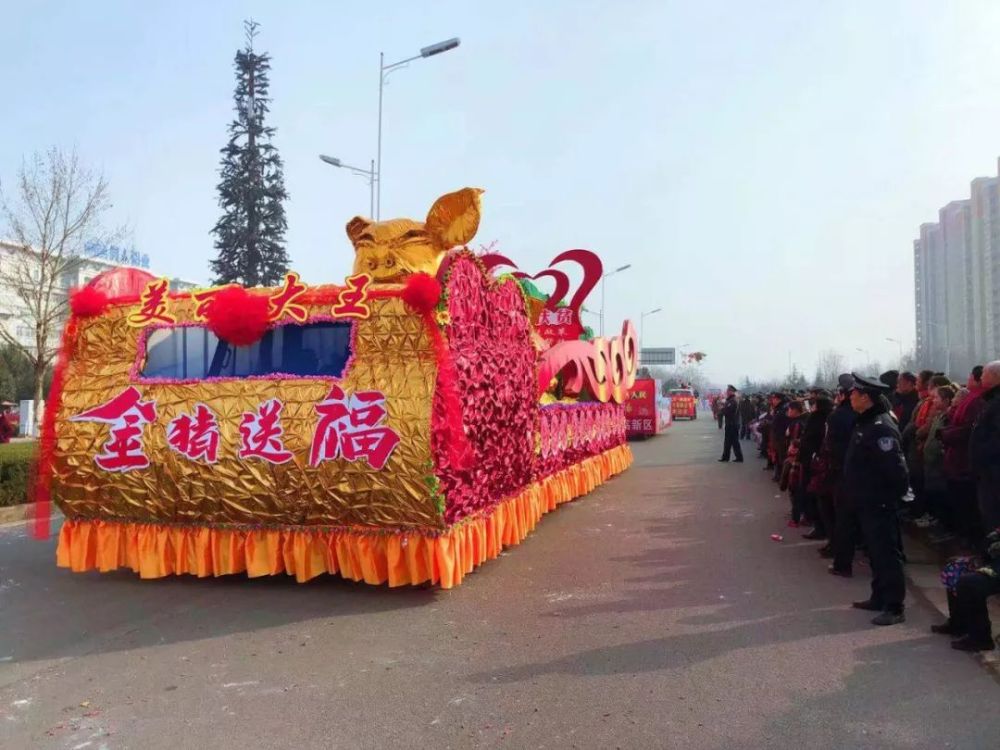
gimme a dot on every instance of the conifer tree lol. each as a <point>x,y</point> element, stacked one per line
<point>250,235</point>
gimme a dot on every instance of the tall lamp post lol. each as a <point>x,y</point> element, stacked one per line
<point>603,277</point>
<point>368,174</point>
<point>900,342</point>
<point>868,356</point>
<point>642,322</point>
<point>588,312</point>
<point>384,71</point>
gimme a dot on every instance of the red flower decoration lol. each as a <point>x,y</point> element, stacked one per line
<point>422,292</point>
<point>237,316</point>
<point>494,363</point>
<point>88,302</point>
<point>493,375</point>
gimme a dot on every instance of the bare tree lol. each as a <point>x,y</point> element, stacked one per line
<point>689,375</point>
<point>767,385</point>
<point>56,206</point>
<point>795,380</point>
<point>908,362</point>
<point>829,365</point>
<point>870,368</point>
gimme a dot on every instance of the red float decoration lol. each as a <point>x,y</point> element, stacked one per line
<point>237,316</point>
<point>560,319</point>
<point>422,292</point>
<point>88,302</point>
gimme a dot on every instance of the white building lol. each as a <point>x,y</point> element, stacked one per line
<point>921,303</point>
<point>985,243</point>
<point>956,234</point>
<point>15,317</point>
<point>932,301</point>
<point>986,236</point>
<point>956,266</point>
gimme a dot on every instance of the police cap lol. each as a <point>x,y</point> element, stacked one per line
<point>873,388</point>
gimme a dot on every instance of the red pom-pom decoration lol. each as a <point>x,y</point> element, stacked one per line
<point>88,302</point>
<point>237,316</point>
<point>422,292</point>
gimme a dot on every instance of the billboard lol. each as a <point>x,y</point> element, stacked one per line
<point>664,356</point>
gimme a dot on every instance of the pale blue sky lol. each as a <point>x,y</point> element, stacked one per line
<point>763,166</point>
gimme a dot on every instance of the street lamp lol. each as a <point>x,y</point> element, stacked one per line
<point>589,312</point>
<point>384,71</point>
<point>868,356</point>
<point>900,342</point>
<point>642,321</point>
<point>368,174</point>
<point>603,277</point>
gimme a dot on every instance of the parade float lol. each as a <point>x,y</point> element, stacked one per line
<point>647,412</point>
<point>401,428</point>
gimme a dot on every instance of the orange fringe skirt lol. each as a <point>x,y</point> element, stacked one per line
<point>399,558</point>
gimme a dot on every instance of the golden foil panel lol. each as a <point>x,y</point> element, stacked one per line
<point>392,354</point>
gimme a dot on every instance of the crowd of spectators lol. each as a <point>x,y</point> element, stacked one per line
<point>950,437</point>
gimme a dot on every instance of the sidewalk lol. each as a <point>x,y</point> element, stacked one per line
<point>923,569</point>
<point>23,512</point>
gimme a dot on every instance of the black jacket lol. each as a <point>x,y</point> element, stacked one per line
<point>984,457</point>
<point>875,474</point>
<point>779,426</point>
<point>731,414</point>
<point>840,425</point>
<point>903,405</point>
<point>812,435</point>
<point>984,445</point>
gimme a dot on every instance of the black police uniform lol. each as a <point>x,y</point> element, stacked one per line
<point>731,416</point>
<point>839,428</point>
<point>876,479</point>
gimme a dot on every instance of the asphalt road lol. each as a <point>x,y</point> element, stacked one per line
<point>654,613</point>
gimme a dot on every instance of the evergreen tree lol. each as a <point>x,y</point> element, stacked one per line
<point>250,235</point>
<point>795,380</point>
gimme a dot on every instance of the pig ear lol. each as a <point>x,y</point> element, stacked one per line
<point>355,227</point>
<point>454,218</point>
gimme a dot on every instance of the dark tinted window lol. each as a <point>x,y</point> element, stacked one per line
<point>194,353</point>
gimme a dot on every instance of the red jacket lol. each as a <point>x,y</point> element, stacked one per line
<point>922,411</point>
<point>955,437</point>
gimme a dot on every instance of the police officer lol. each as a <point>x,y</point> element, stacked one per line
<point>839,428</point>
<point>731,416</point>
<point>875,478</point>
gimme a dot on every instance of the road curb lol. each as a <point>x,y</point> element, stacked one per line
<point>22,513</point>
<point>15,513</point>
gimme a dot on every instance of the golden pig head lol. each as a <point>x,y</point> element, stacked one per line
<point>387,251</point>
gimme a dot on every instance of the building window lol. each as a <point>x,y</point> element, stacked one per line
<point>25,332</point>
